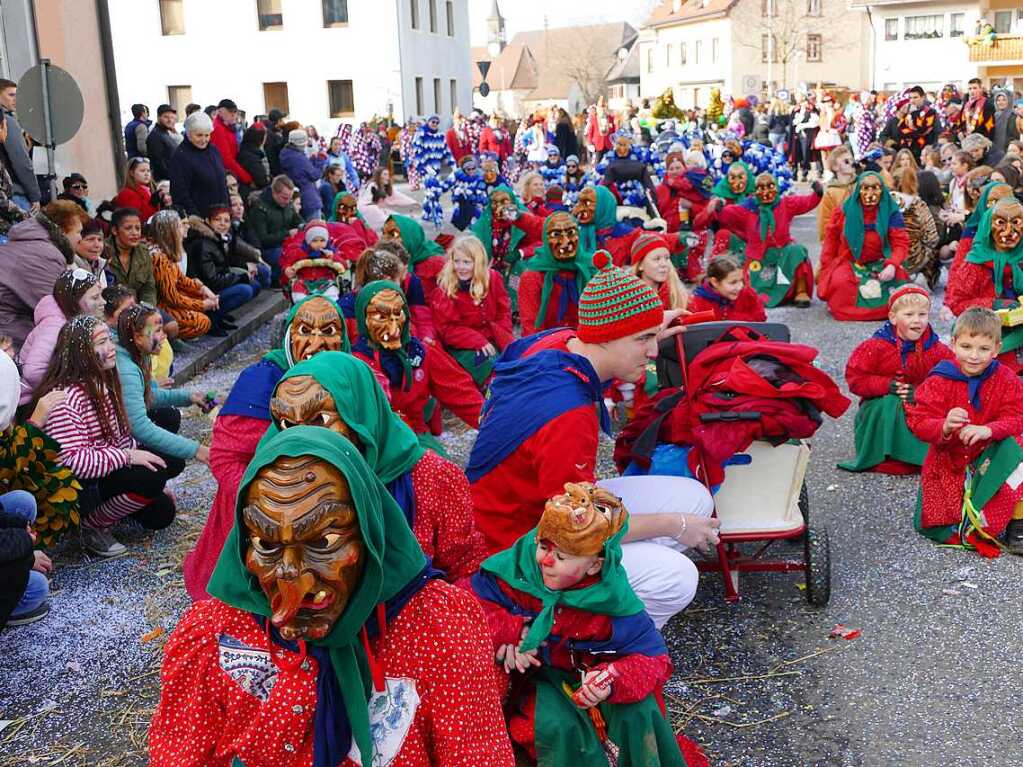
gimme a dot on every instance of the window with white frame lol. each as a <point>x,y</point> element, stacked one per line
<point>450,7</point>
<point>649,60</point>
<point>1003,22</point>
<point>813,7</point>
<point>891,29</point>
<point>669,52</point>
<point>768,50</point>
<point>172,17</point>
<point>928,27</point>
<point>813,47</point>
<point>699,45</point>
<point>714,51</point>
<point>957,25</point>
<point>682,53</point>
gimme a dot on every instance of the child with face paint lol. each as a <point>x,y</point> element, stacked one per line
<point>94,434</point>
<point>725,292</point>
<point>560,606</point>
<point>313,267</point>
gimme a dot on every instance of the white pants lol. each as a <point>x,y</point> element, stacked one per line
<point>662,576</point>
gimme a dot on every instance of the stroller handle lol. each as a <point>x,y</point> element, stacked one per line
<point>743,416</point>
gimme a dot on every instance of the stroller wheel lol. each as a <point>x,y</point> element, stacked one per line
<point>818,566</point>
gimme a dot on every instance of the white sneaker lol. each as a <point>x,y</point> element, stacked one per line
<point>102,543</point>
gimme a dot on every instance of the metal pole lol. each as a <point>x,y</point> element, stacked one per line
<point>51,168</point>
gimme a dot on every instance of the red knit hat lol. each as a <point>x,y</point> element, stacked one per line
<point>644,245</point>
<point>616,304</point>
<point>906,290</point>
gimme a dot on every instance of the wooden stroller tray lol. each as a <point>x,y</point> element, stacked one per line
<point>763,496</point>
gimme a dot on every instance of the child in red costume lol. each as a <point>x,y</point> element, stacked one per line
<point>884,371</point>
<point>971,413</point>
<point>726,293</point>
<point>312,266</point>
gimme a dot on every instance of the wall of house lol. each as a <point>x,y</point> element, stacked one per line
<point>431,55</point>
<point>661,64</point>
<point>508,102</point>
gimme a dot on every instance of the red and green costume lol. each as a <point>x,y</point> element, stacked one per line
<point>969,233</point>
<point>747,306</point>
<point>549,289</point>
<point>426,257</point>
<point>724,240</point>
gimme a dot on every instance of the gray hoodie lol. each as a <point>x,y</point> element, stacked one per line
<point>22,172</point>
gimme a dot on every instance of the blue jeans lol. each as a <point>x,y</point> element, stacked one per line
<point>22,504</point>
<point>273,257</point>
<point>236,295</point>
<point>263,276</point>
<point>22,202</point>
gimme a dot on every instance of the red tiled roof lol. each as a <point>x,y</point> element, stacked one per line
<point>690,10</point>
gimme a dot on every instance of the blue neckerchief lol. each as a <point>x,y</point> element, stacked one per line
<point>887,334</point>
<point>347,305</point>
<point>250,395</point>
<point>620,229</point>
<point>332,732</point>
<point>404,494</point>
<point>465,285</point>
<point>527,393</point>
<point>568,296</point>
<point>389,361</point>
<point>699,179</point>
<point>948,369</point>
<point>705,291</point>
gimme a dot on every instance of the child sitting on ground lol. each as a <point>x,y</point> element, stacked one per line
<point>311,267</point>
<point>970,411</point>
<point>559,606</point>
<point>884,371</point>
<point>725,292</point>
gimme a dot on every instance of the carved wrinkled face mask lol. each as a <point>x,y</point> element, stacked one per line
<point>870,192</point>
<point>490,172</point>
<point>562,236</point>
<point>385,319</point>
<point>305,545</point>
<point>998,193</point>
<point>586,206</point>
<point>347,209</point>
<point>1007,226</point>
<point>623,146</point>
<point>499,201</point>
<point>302,401</point>
<point>391,231</point>
<point>766,191</point>
<point>737,179</point>
<point>316,328</point>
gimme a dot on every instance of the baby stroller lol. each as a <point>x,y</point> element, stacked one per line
<point>746,445</point>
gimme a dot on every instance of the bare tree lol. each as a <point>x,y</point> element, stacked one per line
<point>583,59</point>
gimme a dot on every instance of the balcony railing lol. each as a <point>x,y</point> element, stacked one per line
<point>1002,48</point>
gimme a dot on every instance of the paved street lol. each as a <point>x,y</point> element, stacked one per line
<point>928,682</point>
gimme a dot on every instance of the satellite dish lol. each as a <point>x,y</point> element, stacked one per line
<point>60,102</point>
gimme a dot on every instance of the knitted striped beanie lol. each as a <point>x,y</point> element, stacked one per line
<point>616,304</point>
<point>644,245</point>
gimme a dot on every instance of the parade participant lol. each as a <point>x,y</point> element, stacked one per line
<point>884,371</point>
<point>970,412</point>
<point>429,153</point>
<point>559,605</point>
<point>312,326</point>
<point>599,228</point>
<point>492,177</point>
<point>651,262</point>
<point>725,292</point>
<point>576,179</point>
<point>426,257</point>
<point>843,169</point>
<point>553,170</point>
<point>861,258</point>
<point>600,127</point>
<point>311,267</point>
<point>626,171</point>
<point>554,277</point>
<point>509,234</point>
<point>917,128</point>
<point>992,192</point>
<point>495,140</point>
<point>540,429</point>
<point>734,187</point>
<point>414,371</point>
<point>978,112</point>
<point>778,267</point>
<point>374,265</point>
<point>533,194</point>
<point>345,211</point>
<point>339,392</point>
<point>361,654</point>
<point>471,309</point>
<point>468,194</point>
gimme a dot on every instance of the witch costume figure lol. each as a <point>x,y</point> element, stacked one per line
<point>864,246</point>
<point>329,640</point>
<point>627,169</point>
<point>510,234</point>
<point>733,188</point>
<point>426,257</point>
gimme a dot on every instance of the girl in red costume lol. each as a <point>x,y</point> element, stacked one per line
<point>726,293</point>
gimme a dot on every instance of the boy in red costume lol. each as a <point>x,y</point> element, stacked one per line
<point>971,412</point>
<point>559,601</point>
<point>884,371</point>
<point>726,293</point>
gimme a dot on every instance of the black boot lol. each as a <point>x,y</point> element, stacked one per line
<point>1014,536</point>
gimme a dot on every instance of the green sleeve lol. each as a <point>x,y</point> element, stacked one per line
<point>170,397</point>
<point>148,434</point>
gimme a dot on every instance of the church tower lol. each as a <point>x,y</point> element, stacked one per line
<point>496,38</point>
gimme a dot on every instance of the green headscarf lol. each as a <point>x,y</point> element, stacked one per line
<point>362,301</point>
<point>765,212</point>
<point>611,595</point>
<point>605,216</point>
<point>414,239</point>
<point>391,560</point>
<point>973,220</point>
<point>543,260</point>
<point>281,356</point>
<point>387,443</point>
<point>983,252</point>
<point>722,190</point>
<point>484,226</point>
<point>854,227</point>
<point>333,209</point>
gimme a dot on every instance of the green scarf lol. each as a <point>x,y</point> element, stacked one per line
<point>611,595</point>
<point>605,216</point>
<point>983,252</point>
<point>362,301</point>
<point>392,558</point>
<point>855,230</point>
<point>281,356</point>
<point>333,209</point>
<point>543,260</point>
<point>414,239</point>
<point>387,443</point>
<point>973,220</point>
<point>724,191</point>
<point>484,226</point>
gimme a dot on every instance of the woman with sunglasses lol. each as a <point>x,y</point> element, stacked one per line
<point>138,189</point>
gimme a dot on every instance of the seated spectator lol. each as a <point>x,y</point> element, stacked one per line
<point>337,156</point>
<point>920,227</point>
<point>244,254</point>
<point>151,410</point>
<point>92,429</point>
<point>37,251</point>
<point>253,159</point>
<point>271,220</point>
<point>299,168</point>
<point>197,169</point>
<point>184,298</point>
<point>116,298</point>
<point>330,184</point>
<point>163,139</point>
<point>75,292</point>
<point>76,190</point>
<point>379,199</point>
<point>128,260</point>
<point>89,252</point>
<point>210,262</point>
<point>138,189</point>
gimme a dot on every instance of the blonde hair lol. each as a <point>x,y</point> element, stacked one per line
<point>836,154</point>
<point>678,296</point>
<point>524,183</point>
<point>978,321</point>
<point>479,286</point>
<point>908,300</point>
<point>904,153</point>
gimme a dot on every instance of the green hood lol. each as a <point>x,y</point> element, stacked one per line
<point>281,356</point>
<point>722,190</point>
<point>333,208</point>
<point>414,239</point>
<point>983,252</point>
<point>543,260</point>
<point>605,216</point>
<point>392,559</point>
<point>484,226</point>
<point>973,220</point>
<point>854,227</point>
<point>362,301</point>
<point>389,446</point>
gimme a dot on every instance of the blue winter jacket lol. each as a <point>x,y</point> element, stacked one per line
<point>299,168</point>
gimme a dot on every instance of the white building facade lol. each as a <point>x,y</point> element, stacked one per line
<point>322,62</point>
